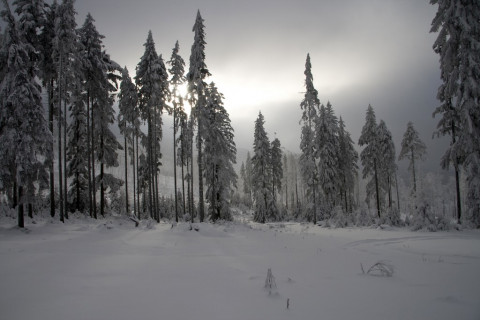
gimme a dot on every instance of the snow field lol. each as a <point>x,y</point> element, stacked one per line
<point>108,269</point>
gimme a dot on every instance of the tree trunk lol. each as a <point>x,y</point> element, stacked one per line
<point>201,209</point>
<point>50,126</point>
<point>175,159</point>
<point>134,180</point>
<point>183,180</point>
<point>138,182</point>
<point>376,186</point>
<point>65,187</point>
<point>102,194</point>
<point>396,188</point>
<point>21,221</point>
<point>59,122</point>
<point>413,171</point>
<point>90,190</point>
<point>457,181</point>
<point>94,187</point>
<point>126,174</point>
<point>314,204</point>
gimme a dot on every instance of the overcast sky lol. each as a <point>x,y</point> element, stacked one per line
<point>376,52</point>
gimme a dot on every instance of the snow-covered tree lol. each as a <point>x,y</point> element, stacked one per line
<point>48,75</point>
<point>177,71</point>
<point>262,174</point>
<point>413,149</point>
<point>277,168</point>
<point>24,133</point>
<point>105,140</point>
<point>220,155</point>
<point>309,106</point>
<point>152,83</point>
<point>347,165</point>
<point>326,140</point>
<point>129,124</point>
<point>64,50</point>
<point>370,155</point>
<point>386,165</point>
<point>458,26</point>
<point>197,73</point>
<point>77,168</point>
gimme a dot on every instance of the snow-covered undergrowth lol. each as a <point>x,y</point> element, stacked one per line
<point>108,269</point>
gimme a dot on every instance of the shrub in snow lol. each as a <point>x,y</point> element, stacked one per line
<point>391,217</point>
<point>425,218</point>
<point>363,217</point>
<point>380,269</point>
<point>270,284</point>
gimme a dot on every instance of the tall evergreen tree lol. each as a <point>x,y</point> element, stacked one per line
<point>104,139</point>
<point>64,51</point>
<point>48,75</point>
<point>386,165</point>
<point>197,73</point>
<point>326,140</point>
<point>94,86</point>
<point>24,130</point>
<point>458,24</point>
<point>177,71</point>
<point>308,164</point>
<point>129,124</point>
<point>413,149</point>
<point>370,155</point>
<point>262,175</point>
<point>77,158</point>
<point>220,156</point>
<point>277,168</point>
<point>347,163</point>
<point>152,81</point>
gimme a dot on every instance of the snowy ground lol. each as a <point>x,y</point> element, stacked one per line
<point>110,270</point>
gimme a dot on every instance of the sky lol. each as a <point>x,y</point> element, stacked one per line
<point>363,52</point>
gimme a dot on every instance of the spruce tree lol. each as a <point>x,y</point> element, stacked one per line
<point>370,155</point>
<point>197,73</point>
<point>64,56</point>
<point>129,124</point>
<point>277,168</point>
<point>387,166</point>
<point>326,140</point>
<point>177,71</point>
<point>261,173</point>
<point>413,149</point>
<point>48,75</point>
<point>347,164</point>
<point>24,132</point>
<point>308,163</point>
<point>220,156</point>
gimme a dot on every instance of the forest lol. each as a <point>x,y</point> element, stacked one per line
<point>61,95</point>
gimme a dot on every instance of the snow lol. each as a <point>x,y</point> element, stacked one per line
<point>108,269</point>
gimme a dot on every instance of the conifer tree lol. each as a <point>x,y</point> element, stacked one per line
<point>220,156</point>
<point>177,71</point>
<point>64,51</point>
<point>247,187</point>
<point>387,166</point>
<point>413,149</point>
<point>129,124</point>
<point>308,164</point>
<point>261,173</point>
<point>347,164</point>
<point>197,73</point>
<point>24,132</point>
<point>277,168</point>
<point>152,82</point>
<point>370,155</point>
<point>77,158</point>
<point>48,75</point>
<point>326,140</point>
<point>458,24</point>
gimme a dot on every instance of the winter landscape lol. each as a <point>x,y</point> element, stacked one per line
<point>284,168</point>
